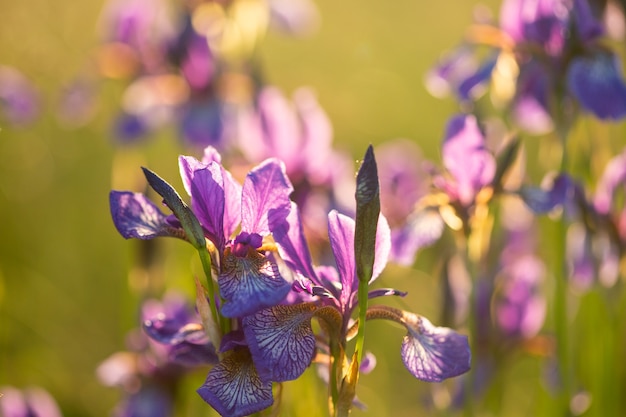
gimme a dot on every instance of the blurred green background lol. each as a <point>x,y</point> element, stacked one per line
<point>65,303</point>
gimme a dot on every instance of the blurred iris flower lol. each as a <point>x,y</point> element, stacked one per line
<point>544,56</point>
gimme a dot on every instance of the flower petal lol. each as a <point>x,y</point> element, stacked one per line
<point>466,157</point>
<point>597,83</point>
<point>249,284</point>
<point>265,197</point>
<point>208,201</point>
<point>281,340</point>
<point>341,235</point>
<point>432,353</point>
<point>423,228</point>
<point>233,387</point>
<point>137,217</point>
<point>292,245</point>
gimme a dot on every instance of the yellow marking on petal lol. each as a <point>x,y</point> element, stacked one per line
<point>449,216</point>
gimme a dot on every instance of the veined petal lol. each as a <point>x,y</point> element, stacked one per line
<point>250,283</point>
<point>208,201</point>
<point>597,83</point>
<point>341,235</point>
<point>135,216</point>
<point>187,165</point>
<point>233,387</point>
<point>292,245</point>
<point>433,353</point>
<point>281,340</point>
<point>265,197</point>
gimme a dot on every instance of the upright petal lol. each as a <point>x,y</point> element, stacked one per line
<point>137,217</point>
<point>597,82</point>
<point>341,235</point>
<point>281,340</point>
<point>265,197</point>
<point>466,157</point>
<point>292,245</point>
<point>433,353</point>
<point>208,200</point>
<point>233,387</point>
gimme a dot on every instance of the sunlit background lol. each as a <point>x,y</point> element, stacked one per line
<point>67,299</point>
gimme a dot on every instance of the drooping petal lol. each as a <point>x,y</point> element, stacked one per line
<point>281,340</point>
<point>208,201</point>
<point>250,283</point>
<point>137,217</point>
<point>473,86</point>
<point>433,353</point>
<point>233,387</point>
<point>466,157</point>
<point>265,197</point>
<point>597,82</point>
<point>423,228</point>
<point>542,201</point>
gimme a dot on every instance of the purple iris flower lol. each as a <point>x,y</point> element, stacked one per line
<point>149,372</point>
<point>467,159</point>
<point>281,338</point>
<point>19,101</point>
<point>29,402</point>
<point>248,279</point>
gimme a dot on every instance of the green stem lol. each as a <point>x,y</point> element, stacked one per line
<point>205,258</point>
<point>335,373</point>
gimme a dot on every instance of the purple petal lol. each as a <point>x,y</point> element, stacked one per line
<point>265,197</point>
<point>19,101</point>
<point>170,332</point>
<point>530,106</point>
<point>281,340</point>
<point>129,128</point>
<point>150,401</point>
<point>597,83</point>
<point>193,354</point>
<point>614,175</point>
<point>341,235</point>
<point>137,217</point>
<point>542,201</point>
<point>432,353</point>
<point>382,292</point>
<point>466,157</point>
<point>520,309</point>
<point>423,228</point>
<point>233,387</point>
<point>187,165</point>
<point>473,86</point>
<point>202,124</point>
<point>250,284</point>
<point>450,71</point>
<point>280,125</point>
<point>208,201</point>
<point>292,245</point>
<point>587,26</point>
